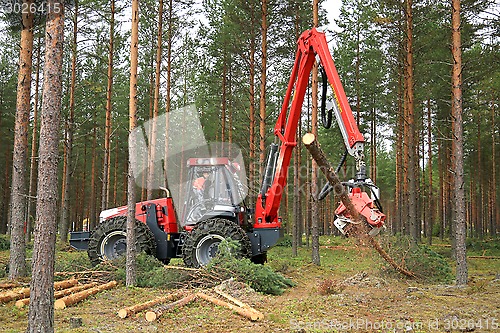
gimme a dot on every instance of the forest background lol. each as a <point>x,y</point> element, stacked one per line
<point>233,60</point>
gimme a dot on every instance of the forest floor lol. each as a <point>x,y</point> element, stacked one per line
<point>369,301</point>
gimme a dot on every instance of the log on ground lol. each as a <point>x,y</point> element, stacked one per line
<point>61,293</point>
<point>75,298</point>
<point>14,295</point>
<point>128,311</point>
<point>238,302</point>
<point>252,315</point>
<point>156,313</point>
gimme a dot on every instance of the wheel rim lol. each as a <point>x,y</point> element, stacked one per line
<point>114,245</point>
<point>207,248</point>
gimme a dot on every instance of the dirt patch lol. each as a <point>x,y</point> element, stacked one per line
<point>363,279</point>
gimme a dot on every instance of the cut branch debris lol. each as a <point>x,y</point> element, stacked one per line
<point>75,298</point>
<point>156,313</point>
<point>128,311</point>
<point>360,229</point>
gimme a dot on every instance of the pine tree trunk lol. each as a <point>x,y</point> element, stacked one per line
<point>17,265</point>
<point>156,106</point>
<point>34,141</point>
<point>410,121</point>
<point>4,204</point>
<point>494,207</point>
<point>430,201</point>
<point>69,139</point>
<point>263,81</point>
<point>41,310</point>
<point>131,275</point>
<point>251,111</point>
<point>458,154</point>
<point>107,128</point>
<point>93,190</point>
<point>314,167</point>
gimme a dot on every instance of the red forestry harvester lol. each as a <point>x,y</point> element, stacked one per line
<point>213,208</point>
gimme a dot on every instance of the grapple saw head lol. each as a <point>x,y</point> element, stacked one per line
<point>366,207</point>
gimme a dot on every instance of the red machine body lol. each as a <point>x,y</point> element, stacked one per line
<point>312,46</point>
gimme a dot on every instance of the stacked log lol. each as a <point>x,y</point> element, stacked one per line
<point>59,294</point>
<point>75,298</point>
<point>157,312</point>
<point>129,311</point>
<point>249,313</point>
<point>25,292</point>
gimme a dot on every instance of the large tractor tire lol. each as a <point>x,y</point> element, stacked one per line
<point>202,244</point>
<point>109,242</point>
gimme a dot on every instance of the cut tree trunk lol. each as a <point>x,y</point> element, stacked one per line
<point>153,315</point>
<point>250,314</point>
<point>61,293</point>
<point>62,303</point>
<point>25,292</point>
<point>361,227</point>
<point>128,311</point>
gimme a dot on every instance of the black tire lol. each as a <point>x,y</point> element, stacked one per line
<point>260,259</point>
<point>201,244</point>
<point>108,241</point>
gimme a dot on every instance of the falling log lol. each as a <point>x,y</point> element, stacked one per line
<point>128,311</point>
<point>75,298</point>
<point>153,315</point>
<point>25,292</point>
<point>253,314</point>
<point>361,228</point>
<point>61,293</point>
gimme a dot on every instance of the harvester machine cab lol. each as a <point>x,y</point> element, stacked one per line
<point>211,191</point>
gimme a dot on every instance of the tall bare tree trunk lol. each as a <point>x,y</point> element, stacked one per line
<point>107,128</point>
<point>156,102</point>
<point>34,141</point>
<point>93,168</point>
<point>430,221</point>
<point>263,81</point>
<point>17,265</point>
<point>458,153</point>
<point>494,206</point>
<point>410,122</point>
<point>251,111</point>
<point>314,167</point>
<point>41,310</point>
<point>69,138</point>
<point>131,275</point>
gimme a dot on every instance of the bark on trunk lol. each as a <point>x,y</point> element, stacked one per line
<point>156,102</point>
<point>410,121</point>
<point>17,265</point>
<point>34,142</point>
<point>458,153</point>
<point>69,138</point>
<point>314,167</point>
<point>131,275</point>
<point>107,128</point>
<point>41,311</point>
<point>262,98</point>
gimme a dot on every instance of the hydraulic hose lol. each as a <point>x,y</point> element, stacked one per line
<point>325,119</point>
<point>328,188</point>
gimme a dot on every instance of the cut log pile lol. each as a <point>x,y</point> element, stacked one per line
<point>67,293</point>
<point>159,306</point>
